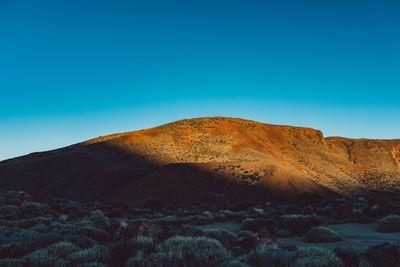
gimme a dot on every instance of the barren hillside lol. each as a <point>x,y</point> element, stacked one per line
<point>208,159</point>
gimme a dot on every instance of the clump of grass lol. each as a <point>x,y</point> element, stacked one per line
<point>184,251</point>
<point>31,222</point>
<point>99,219</point>
<point>62,249</point>
<point>32,209</point>
<point>98,253</point>
<point>316,257</point>
<point>20,242</point>
<point>42,258</point>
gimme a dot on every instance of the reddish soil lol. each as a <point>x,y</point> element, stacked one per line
<point>208,159</point>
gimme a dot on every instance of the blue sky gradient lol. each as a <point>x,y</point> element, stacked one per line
<point>74,70</point>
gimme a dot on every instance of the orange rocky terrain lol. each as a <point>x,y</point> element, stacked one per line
<point>208,159</point>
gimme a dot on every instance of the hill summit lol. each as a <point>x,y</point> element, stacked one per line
<point>208,159</point>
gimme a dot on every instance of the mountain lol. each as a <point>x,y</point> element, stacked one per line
<point>208,159</point>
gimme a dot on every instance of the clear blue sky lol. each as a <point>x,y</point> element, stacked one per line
<point>74,70</point>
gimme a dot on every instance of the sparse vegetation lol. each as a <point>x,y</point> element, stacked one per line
<point>163,228</point>
<point>184,251</point>
<point>378,180</point>
<point>97,253</point>
<point>32,209</point>
<point>99,219</point>
<point>77,234</point>
<point>41,257</point>
<point>316,257</point>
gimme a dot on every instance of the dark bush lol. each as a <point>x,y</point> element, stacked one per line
<point>117,213</point>
<point>12,250</point>
<point>242,205</point>
<point>8,212</point>
<point>121,251</point>
<point>265,256</point>
<point>389,224</point>
<point>100,220</point>
<point>92,232</point>
<point>383,255</point>
<point>81,241</point>
<point>308,198</point>
<point>349,256</point>
<point>300,224</point>
<point>256,224</point>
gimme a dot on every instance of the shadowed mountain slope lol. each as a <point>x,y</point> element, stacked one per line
<point>208,159</point>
